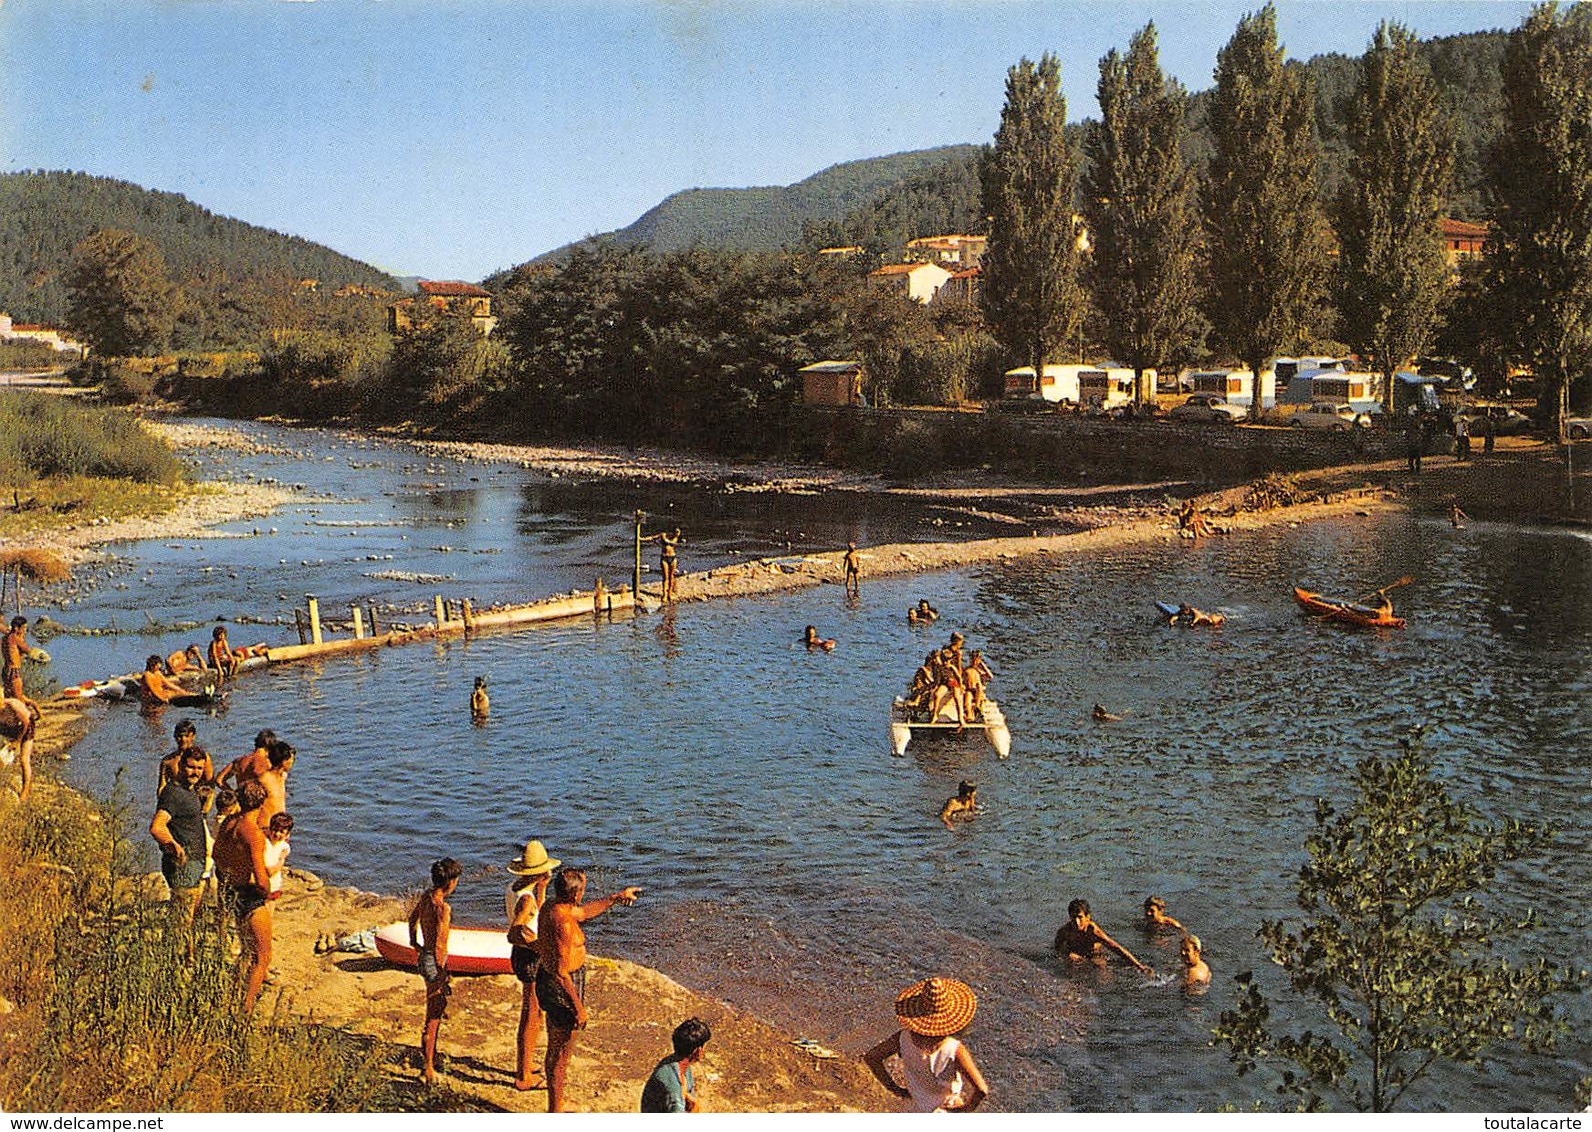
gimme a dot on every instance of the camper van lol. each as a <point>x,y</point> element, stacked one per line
<point>1105,388</point>
<point>1287,369</point>
<point>1058,383</point>
<point>1236,385</point>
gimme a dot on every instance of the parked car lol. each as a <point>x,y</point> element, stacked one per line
<point>1208,407</point>
<point>1578,428</point>
<point>1505,421</point>
<point>1339,418</point>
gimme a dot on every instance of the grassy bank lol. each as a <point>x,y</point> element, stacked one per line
<point>102,1010</point>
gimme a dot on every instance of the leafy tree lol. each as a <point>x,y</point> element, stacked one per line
<point>1392,274</point>
<point>119,298</point>
<point>1540,252</point>
<point>1031,288</point>
<point>1263,222</point>
<point>1394,950</point>
<point>1143,214</point>
<point>439,366</point>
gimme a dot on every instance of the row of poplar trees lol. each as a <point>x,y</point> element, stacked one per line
<point>1168,253</point>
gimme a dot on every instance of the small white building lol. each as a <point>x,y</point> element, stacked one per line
<point>919,282</point>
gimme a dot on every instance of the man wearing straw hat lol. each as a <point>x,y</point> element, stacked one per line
<point>940,1073</point>
<point>523,901</point>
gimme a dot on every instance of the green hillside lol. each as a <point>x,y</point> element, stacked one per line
<point>766,219</point>
<point>237,279</point>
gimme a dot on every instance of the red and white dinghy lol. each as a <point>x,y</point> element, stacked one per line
<point>471,951</point>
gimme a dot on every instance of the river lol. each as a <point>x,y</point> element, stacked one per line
<point>793,866</point>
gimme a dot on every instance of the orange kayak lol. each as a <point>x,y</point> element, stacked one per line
<point>1350,613</point>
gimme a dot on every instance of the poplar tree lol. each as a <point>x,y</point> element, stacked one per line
<point>1392,278</point>
<point>1143,214</point>
<point>1031,288</point>
<point>1264,228</point>
<point>118,296</point>
<point>1539,253</point>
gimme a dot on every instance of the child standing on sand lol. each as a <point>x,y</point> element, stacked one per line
<point>276,851</point>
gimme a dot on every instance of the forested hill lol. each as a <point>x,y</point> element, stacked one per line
<point>766,219</point>
<point>230,271</point>
<point>882,202</point>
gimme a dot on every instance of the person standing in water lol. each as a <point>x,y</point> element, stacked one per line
<point>668,561</point>
<point>480,702</point>
<point>853,564</point>
<point>1082,940</point>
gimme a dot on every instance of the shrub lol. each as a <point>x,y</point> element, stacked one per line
<point>45,436</point>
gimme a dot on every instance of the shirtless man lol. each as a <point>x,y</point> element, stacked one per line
<point>18,722</point>
<point>480,702</point>
<point>279,757</point>
<point>1081,939</point>
<point>14,649</point>
<point>1100,715</point>
<point>156,689</point>
<point>186,737</point>
<point>963,805</point>
<point>190,659</point>
<point>853,565</point>
<point>1196,972</point>
<point>921,690</point>
<point>561,971</point>
<point>249,767</point>
<point>948,686</point>
<point>429,922</point>
<point>1155,918</point>
<point>973,683</point>
<point>246,885</point>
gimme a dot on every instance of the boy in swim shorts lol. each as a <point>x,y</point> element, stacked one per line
<point>429,922</point>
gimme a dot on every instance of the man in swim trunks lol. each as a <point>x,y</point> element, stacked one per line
<point>249,767</point>
<point>853,564</point>
<point>156,689</point>
<point>429,922</point>
<point>245,878</point>
<point>13,650</point>
<point>561,971</point>
<point>523,902</point>
<point>1082,940</point>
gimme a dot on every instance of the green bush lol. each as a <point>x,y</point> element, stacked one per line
<point>43,436</point>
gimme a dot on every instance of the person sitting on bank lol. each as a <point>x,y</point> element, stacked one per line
<point>1155,918</point>
<point>672,1086</point>
<point>1082,940</point>
<point>813,641</point>
<point>963,805</point>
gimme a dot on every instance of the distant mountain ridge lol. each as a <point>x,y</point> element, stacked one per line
<point>770,217</point>
<point>215,259</point>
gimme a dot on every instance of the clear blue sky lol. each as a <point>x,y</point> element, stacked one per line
<point>447,139</point>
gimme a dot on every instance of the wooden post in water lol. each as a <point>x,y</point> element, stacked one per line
<point>442,612</point>
<point>359,623</point>
<point>635,577</point>
<point>467,615</point>
<point>315,618</point>
<point>298,622</point>
<point>374,631</point>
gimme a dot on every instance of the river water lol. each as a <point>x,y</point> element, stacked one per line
<point>793,866</point>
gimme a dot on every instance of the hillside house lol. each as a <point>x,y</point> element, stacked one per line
<point>958,252</point>
<point>919,282</point>
<point>1463,240</point>
<point>961,287</point>
<point>832,383</point>
<point>46,335</point>
<point>449,296</point>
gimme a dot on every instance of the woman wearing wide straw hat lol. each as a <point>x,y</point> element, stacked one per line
<point>523,901</point>
<point>939,1071</point>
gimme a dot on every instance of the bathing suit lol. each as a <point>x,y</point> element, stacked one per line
<point>554,999</point>
<point>243,900</point>
<point>525,963</point>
